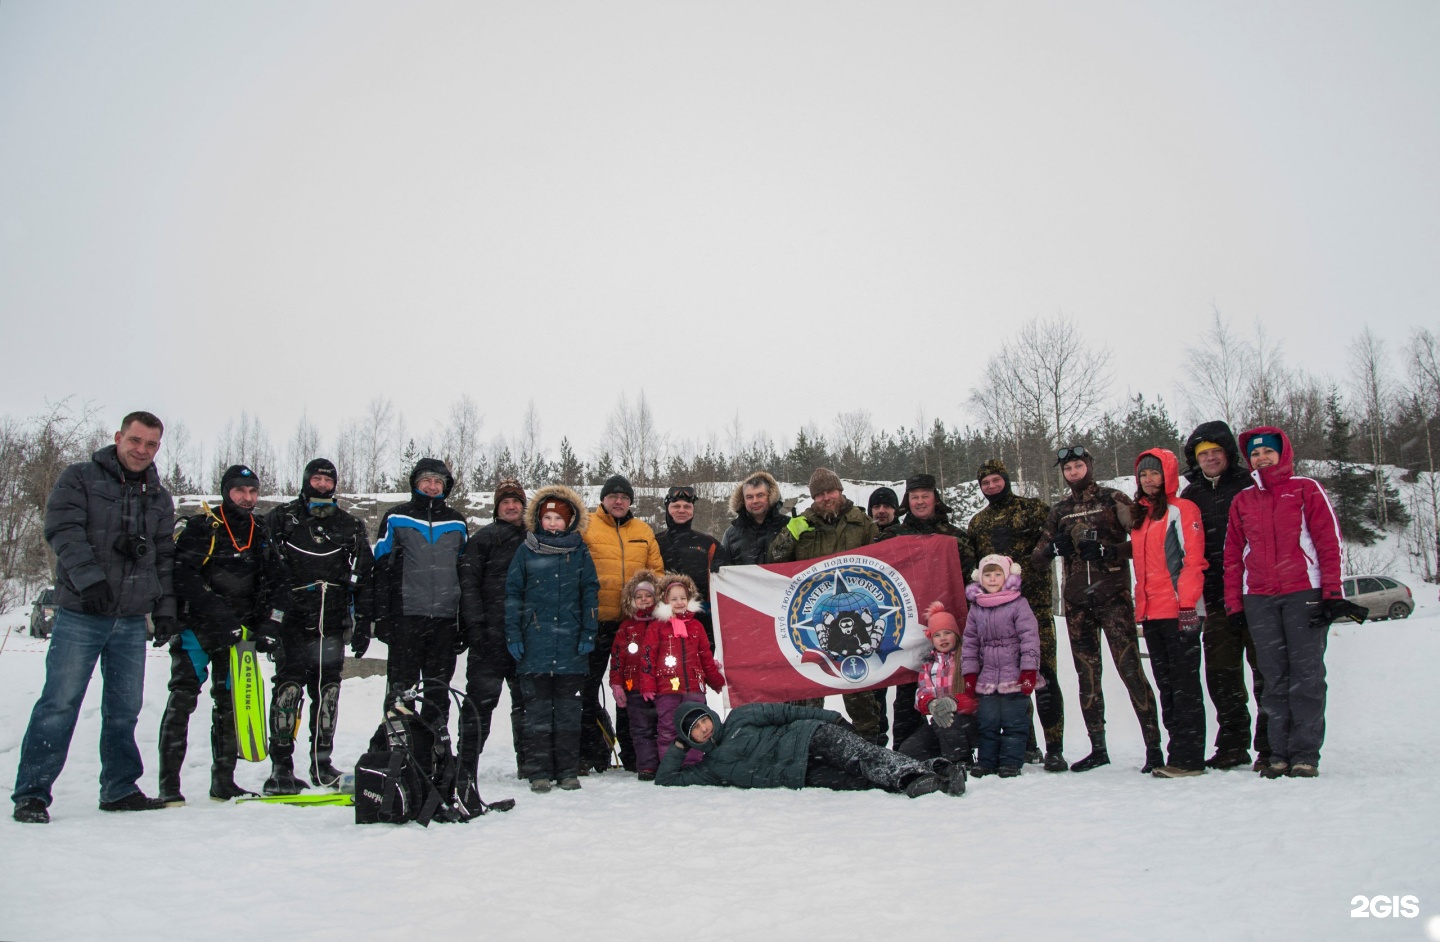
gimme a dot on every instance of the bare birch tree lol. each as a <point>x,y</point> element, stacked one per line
<point>1216,373</point>
<point>460,441</point>
<point>303,447</point>
<point>1370,380</point>
<point>632,440</point>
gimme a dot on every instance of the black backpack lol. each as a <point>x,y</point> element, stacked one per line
<point>393,785</point>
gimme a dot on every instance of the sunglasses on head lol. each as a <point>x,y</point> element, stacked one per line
<point>1071,454</point>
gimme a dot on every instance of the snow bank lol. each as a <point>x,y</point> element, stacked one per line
<point>1106,854</point>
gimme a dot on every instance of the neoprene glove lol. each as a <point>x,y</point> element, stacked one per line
<point>1001,539</point>
<point>165,629</point>
<point>360,640</point>
<point>96,599</point>
<point>516,649</point>
<point>797,526</point>
<point>1028,680</point>
<point>1238,620</point>
<point>462,641</point>
<point>1064,547</point>
<point>1093,550</point>
<point>942,711</point>
<point>1190,621</point>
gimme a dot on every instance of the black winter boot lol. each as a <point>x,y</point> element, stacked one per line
<point>174,731</point>
<point>1055,762</point>
<point>1154,759</point>
<point>223,748</point>
<point>282,780</point>
<point>1097,757</point>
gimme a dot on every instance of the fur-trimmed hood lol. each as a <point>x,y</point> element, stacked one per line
<point>737,497</point>
<point>627,595</point>
<point>578,524</point>
<point>662,609</point>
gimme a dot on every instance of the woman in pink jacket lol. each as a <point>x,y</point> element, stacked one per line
<point>1168,546</point>
<point>1282,578</point>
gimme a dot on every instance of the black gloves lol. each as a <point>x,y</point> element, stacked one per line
<point>164,625</point>
<point>360,640</point>
<point>1064,547</point>
<point>1327,611</point>
<point>1093,551</point>
<point>1001,539</point>
<point>96,599</point>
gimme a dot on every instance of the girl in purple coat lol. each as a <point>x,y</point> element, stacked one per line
<point>999,658</point>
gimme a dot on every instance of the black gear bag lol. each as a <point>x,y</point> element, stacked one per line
<point>393,786</point>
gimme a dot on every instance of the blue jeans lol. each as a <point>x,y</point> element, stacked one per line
<point>1004,722</point>
<point>76,643</point>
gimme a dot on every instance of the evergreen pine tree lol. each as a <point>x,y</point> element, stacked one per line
<point>570,471</point>
<point>1349,488</point>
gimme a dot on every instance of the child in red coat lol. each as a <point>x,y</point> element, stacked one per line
<point>631,664</point>
<point>683,662</point>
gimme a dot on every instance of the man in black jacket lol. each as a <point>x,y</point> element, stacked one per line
<point>110,523</point>
<point>758,520</point>
<point>224,568</point>
<point>688,551</point>
<point>326,593</point>
<point>482,609</point>
<point>1216,475</point>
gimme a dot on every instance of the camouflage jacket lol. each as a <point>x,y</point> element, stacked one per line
<point>1107,512</point>
<point>849,529</point>
<point>940,524</point>
<point>1012,527</point>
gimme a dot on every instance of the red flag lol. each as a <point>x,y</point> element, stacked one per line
<point>838,624</point>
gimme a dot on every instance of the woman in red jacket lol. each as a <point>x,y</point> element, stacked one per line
<point>1168,543</point>
<point>1282,578</point>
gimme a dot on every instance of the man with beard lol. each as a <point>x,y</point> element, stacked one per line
<point>328,571</point>
<point>224,570</point>
<point>832,524</point>
<point>482,608</point>
<point>1011,526</point>
<point>1090,530</point>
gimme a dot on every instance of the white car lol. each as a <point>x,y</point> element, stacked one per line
<point>1383,596</point>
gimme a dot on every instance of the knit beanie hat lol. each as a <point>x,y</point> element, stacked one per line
<point>1148,462</point>
<point>824,480</point>
<point>1202,447</point>
<point>1004,563</point>
<point>556,505</point>
<point>937,619</point>
<point>509,488</point>
<point>882,496</point>
<point>617,484</point>
<point>1266,440</point>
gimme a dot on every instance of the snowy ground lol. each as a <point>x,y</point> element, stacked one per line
<point>1107,854</point>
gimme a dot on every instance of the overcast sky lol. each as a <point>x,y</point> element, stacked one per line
<point>786,209</point>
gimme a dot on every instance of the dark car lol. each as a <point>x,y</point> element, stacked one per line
<point>42,614</point>
<point>1382,596</point>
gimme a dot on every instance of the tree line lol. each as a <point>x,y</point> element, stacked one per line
<point>1048,385</point>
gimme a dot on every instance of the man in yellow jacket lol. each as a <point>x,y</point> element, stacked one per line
<point>621,546</point>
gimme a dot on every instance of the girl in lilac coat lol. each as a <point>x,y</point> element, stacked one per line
<point>999,658</point>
